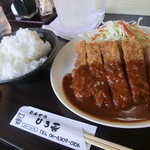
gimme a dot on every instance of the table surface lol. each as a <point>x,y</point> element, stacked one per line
<point>40,94</point>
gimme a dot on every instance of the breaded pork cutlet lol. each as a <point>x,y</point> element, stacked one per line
<point>115,75</point>
<point>136,70</point>
<point>81,51</point>
<point>81,74</point>
<point>99,86</point>
<point>93,54</point>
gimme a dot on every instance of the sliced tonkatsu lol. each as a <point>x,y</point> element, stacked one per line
<point>81,74</point>
<point>136,70</point>
<point>113,67</point>
<point>88,78</point>
<point>111,72</point>
<point>81,51</point>
<point>99,85</point>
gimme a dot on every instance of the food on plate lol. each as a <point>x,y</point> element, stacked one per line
<point>87,75</point>
<point>136,70</point>
<point>118,30</point>
<point>101,73</point>
<point>21,53</point>
<point>115,75</point>
<point>110,79</point>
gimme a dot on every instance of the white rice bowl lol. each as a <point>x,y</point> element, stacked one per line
<point>21,53</point>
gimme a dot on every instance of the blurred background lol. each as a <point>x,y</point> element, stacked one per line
<point>135,7</point>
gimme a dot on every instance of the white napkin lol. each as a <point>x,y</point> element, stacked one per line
<point>61,130</point>
<point>69,34</point>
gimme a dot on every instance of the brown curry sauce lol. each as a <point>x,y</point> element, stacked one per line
<point>136,112</point>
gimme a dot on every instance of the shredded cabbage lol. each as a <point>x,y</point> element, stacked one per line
<point>118,30</point>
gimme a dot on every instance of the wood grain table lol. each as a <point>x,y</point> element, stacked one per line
<point>40,94</point>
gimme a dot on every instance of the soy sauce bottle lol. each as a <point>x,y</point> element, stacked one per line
<point>25,8</point>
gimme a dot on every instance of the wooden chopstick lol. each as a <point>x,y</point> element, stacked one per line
<point>103,143</point>
<point>100,145</point>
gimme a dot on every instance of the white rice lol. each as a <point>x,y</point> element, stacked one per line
<point>21,53</point>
